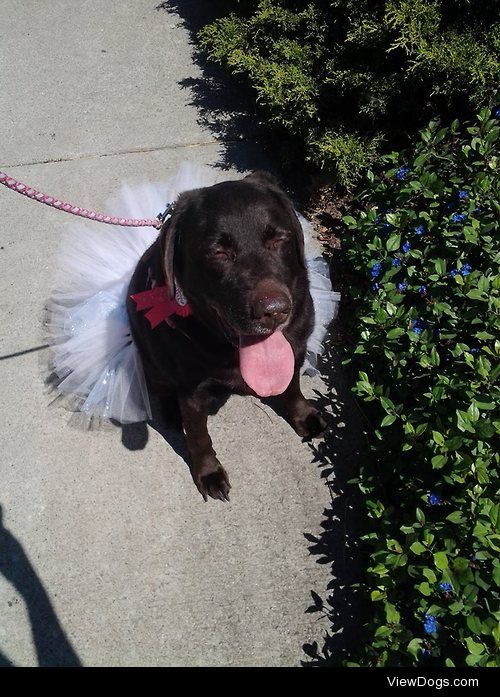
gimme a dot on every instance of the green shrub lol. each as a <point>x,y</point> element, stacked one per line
<point>341,76</point>
<point>426,240</point>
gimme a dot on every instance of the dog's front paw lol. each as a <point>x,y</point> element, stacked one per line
<point>308,423</point>
<point>211,479</point>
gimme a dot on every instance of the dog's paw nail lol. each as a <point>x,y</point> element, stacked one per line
<point>213,483</point>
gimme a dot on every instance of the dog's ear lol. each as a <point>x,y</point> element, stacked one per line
<point>168,241</point>
<point>170,238</point>
<point>261,177</point>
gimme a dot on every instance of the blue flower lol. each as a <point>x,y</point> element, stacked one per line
<point>458,217</point>
<point>396,261</point>
<point>420,229</point>
<point>475,349</point>
<point>446,587</point>
<point>422,290</point>
<point>434,499</point>
<point>406,247</point>
<point>375,270</point>
<point>402,173</point>
<point>453,273</point>
<point>430,624</point>
<point>425,652</point>
<point>375,286</point>
<point>418,325</point>
<point>463,194</point>
<point>496,112</point>
<point>466,269</point>
<point>403,285</point>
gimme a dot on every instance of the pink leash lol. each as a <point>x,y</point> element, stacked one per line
<point>25,190</point>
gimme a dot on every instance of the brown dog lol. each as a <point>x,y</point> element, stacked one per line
<point>236,251</point>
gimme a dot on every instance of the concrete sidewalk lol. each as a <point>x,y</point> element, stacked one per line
<point>110,556</point>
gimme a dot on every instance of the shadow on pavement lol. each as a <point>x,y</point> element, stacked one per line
<point>166,423</point>
<point>226,105</point>
<point>338,543</point>
<point>52,646</point>
<point>4,662</point>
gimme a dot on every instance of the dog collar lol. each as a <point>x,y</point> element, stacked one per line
<point>159,306</point>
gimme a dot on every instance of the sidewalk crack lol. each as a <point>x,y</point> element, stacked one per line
<point>116,153</point>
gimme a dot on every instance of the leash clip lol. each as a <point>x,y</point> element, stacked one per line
<point>162,217</point>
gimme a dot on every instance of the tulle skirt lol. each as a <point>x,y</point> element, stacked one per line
<point>94,359</point>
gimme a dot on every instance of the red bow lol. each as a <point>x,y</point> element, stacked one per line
<point>160,306</point>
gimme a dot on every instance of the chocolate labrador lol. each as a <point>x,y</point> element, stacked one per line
<point>234,252</point>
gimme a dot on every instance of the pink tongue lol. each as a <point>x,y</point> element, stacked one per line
<point>266,364</point>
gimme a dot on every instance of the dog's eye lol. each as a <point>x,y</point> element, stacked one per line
<point>275,243</point>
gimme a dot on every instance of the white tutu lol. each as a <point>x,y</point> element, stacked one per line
<point>93,355</point>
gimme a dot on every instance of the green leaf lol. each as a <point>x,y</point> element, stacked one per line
<point>414,647</point>
<point>388,420</point>
<point>473,412</point>
<point>496,574</point>
<point>441,560</point>
<point>454,443</point>
<point>439,461</point>
<point>429,575</point>
<point>456,517</point>
<point>476,294</point>
<point>425,589</point>
<point>463,422</point>
<point>435,360</point>
<point>440,265</point>
<point>474,624</point>
<point>387,404</point>
<point>474,647</point>
<point>349,220</point>
<point>494,516</point>
<point>438,437</point>
<point>393,243</point>
<point>395,333</point>
<point>391,614</point>
<point>473,660</point>
<point>417,548</point>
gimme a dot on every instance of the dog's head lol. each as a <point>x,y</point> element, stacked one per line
<point>237,251</point>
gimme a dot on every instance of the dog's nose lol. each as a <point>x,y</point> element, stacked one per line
<point>271,310</point>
